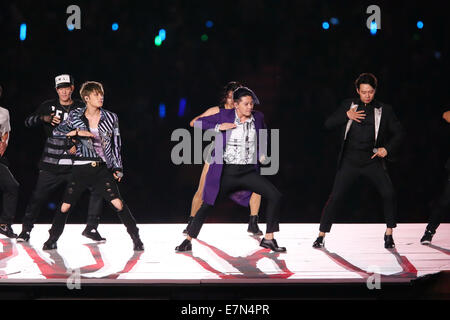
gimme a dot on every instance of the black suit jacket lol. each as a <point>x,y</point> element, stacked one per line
<point>390,132</point>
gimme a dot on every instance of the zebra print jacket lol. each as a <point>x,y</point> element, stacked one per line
<point>108,128</point>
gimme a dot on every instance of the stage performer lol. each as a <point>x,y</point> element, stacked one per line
<point>8,184</point>
<point>236,169</point>
<point>255,200</point>
<point>371,134</point>
<point>442,205</point>
<point>97,162</point>
<point>56,162</point>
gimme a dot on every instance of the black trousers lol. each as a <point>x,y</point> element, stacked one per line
<point>347,174</point>
<point>439,209</point>
<point>10,190</point>
<point>101,180</point>
<point>242,177</point>
<point>47,183</point>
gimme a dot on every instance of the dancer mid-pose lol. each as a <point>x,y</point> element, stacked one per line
<point>8,184</point>
<point>56,162</point>
<point>235,169</point>
<point>255,200</point>
<point>97,163</point>
<point>442,205</point>
<point>370,132</point>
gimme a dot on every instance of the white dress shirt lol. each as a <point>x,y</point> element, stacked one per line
<point>241,146</point>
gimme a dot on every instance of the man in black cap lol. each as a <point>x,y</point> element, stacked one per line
<point>56,163</point>
<point>8,184</point>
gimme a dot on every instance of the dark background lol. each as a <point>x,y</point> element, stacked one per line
<point>278,48</point>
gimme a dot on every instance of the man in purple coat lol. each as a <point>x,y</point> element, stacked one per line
<point>234,167</point>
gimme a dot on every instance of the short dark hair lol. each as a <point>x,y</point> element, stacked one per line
<point>366,78</point>
<point>230,86</point>
<point>243,92</point>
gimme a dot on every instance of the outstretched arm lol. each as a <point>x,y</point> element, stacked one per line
<point>211,111</point>
<point>42,115</point>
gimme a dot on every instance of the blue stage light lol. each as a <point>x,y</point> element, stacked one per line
<point>373,28</point>
<point>325,25</point>
<point>334,21</point>
<point>51,206</point>
<point>23,31</point>
<point>209,24</point>
<point>182,107</point>
<point>162,34</point>
<point>162,110</point>
<point>70,27</point>
<point>115,26</point>
<point>419,24</point>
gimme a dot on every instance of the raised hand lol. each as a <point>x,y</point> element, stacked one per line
<point>48,118</point>
<point>356,115</point>
<point>56,121</point>
<point>227,126</point>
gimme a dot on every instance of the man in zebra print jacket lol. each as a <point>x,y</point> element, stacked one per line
<point>97,162</point>
<point>55,165</point>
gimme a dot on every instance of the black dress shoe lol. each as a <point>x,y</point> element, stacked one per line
<point>138,245</point>
<point>24,236</point>
<point>319,243</point>
<point>388,241</point>
<point>186,245</point>
<point>93,234</point>
<point>50,244</point>
<point>427,237</point>
<point>272,245</point>
<point>253,226</point>
<point>6,230</point>
<point>185,231</point>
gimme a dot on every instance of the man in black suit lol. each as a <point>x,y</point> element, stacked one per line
<point>371,134</point>
<point>441,206</point>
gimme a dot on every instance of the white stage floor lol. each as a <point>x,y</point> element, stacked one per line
<point>224,253</point>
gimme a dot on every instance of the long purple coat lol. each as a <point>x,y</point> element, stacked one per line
<point>212,182</point>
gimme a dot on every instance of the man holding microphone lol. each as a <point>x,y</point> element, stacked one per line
<point>56,163</point>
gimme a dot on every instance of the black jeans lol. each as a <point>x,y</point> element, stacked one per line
<point>439,209</point>
<point>347,174</point>
<point>10,189</point>
<point>236,178</point>
<point>48,182</point>
<point>101,180</point>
